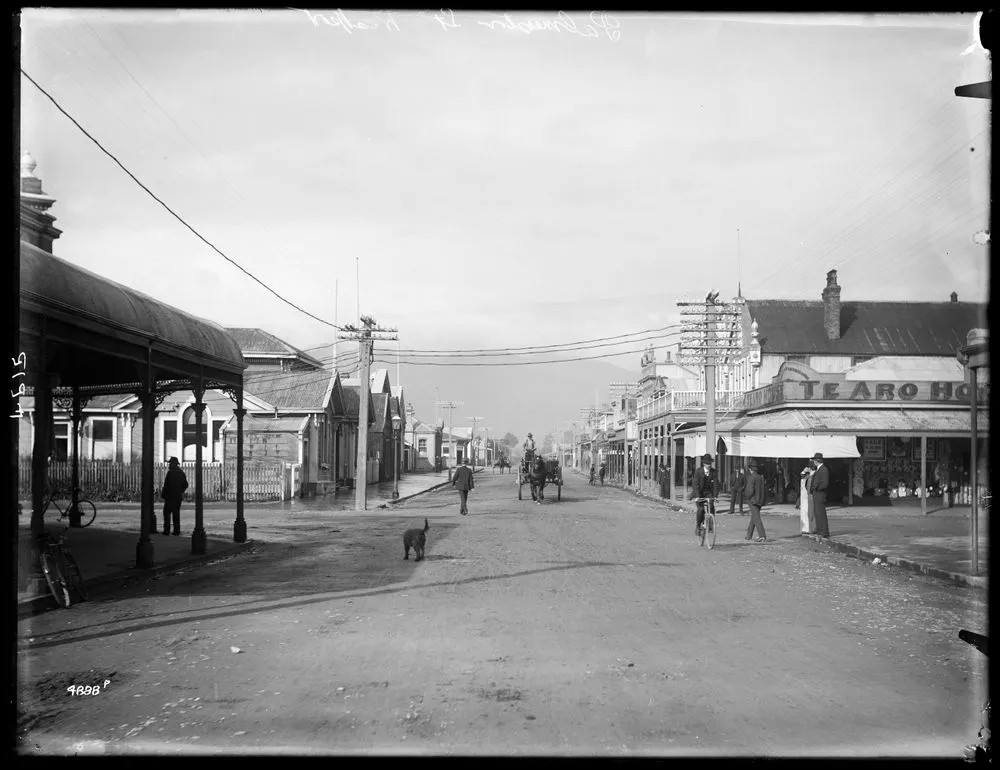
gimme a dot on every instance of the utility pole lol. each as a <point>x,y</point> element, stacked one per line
<point>710,330</point>
<point>365,337</point>
<point>450,406</point>
<point>472,442</point>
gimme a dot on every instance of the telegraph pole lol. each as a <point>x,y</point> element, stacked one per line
<point>450,406</point>
<point>710,330</point>
<point>365,337</point>
<point>473,441</point>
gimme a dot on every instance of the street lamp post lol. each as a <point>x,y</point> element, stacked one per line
<point>396,425</point>
<point>974,356</point>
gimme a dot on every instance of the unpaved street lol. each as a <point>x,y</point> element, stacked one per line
<point>590,625</point>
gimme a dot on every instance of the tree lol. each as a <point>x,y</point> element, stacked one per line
<point>548,444</point>
<point>509,440</point>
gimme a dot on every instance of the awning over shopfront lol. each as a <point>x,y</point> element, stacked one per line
<point>791,445</point>
<point>834,432</point>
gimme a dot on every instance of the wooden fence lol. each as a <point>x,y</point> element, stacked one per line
<point>109,481</point>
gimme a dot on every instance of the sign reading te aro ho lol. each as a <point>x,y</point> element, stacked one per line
<point>838,389</point>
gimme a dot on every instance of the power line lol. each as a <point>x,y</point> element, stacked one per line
<point>620,337</point>
<point>170,210</point>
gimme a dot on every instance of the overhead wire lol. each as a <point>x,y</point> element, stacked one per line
<point>177,216</point>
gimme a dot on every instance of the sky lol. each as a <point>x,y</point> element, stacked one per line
<point>485,180</point>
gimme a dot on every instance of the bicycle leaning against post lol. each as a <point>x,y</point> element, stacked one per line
<point>62,573</point>
<point>88,511</point>
<point>706,532</point>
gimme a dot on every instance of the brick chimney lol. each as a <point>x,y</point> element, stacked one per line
<point>831,306</point>
<point>36,221</point>
<point>954,296</point>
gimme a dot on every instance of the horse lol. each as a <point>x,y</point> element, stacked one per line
<point>502,463</point>
<point>536,475</point>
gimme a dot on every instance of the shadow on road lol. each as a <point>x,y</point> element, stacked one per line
<point>393,573</point>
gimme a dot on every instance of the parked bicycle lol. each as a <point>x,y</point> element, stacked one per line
<point>62,573</point>
<point>88,511</point>
<point>706,532</point>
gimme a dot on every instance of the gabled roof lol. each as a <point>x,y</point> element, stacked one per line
<point>380,381</point>
<point>257,343</point>
<point>866,328</point>
<point>381,421</point>
<point>352,399</point>
<point>307,391</point>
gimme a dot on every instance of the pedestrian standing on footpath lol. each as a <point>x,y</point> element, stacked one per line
<point>736,491</point>
<point>818,485</point>
<point>664,481</point>
<point>173,492</point>
<point>464,482</point>
<point>806,518</point>
<point>756,496</point>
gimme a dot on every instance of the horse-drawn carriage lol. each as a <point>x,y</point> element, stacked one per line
<point>540,470</point>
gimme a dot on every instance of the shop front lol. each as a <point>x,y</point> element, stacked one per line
<point>886,441</point>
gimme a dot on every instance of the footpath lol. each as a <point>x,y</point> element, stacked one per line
<point>938,543</point>
<point>105,551</point>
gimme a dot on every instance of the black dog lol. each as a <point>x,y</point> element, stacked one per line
<point>415,539</point>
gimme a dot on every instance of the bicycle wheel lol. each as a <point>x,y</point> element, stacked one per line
<point>55,580</point>
<point>710,530</point>
<point>88,512</point>
<point>74,576</point>
<point>700,534</point>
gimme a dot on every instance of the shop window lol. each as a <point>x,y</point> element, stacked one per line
<point>797,359</point>
<point>102,439</point>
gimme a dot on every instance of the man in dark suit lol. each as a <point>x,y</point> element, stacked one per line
<point>172,494</point>
<point>819,482</point>
<point>736,494</point>
<point>464,481</point>
<point>704,484</point>
<point>756,496</point>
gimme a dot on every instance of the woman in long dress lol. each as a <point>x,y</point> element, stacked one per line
<point>805,503</point>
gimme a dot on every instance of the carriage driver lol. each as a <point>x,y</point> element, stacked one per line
<point>529,447</point>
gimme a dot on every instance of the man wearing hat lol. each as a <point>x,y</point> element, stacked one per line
<point>818,484</point>
<point>173,492</point>
<point>704,484</point>
<point>529,447</point>
<point>756,496</point>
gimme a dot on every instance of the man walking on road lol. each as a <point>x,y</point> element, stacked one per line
<point>464,481</point>
<point>736,493</point>
<point>818,484</point>
<point>173,492</point>
<point>755,499</point>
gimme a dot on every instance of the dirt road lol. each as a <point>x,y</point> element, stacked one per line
<point>590,625</point>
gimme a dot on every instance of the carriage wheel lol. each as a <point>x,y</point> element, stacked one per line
<point>558,490</point>
<point>520,483</point>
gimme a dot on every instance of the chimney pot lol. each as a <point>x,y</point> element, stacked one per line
<point>954,296</point>
<point>831,306</point>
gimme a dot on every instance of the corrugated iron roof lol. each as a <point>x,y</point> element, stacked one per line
<point>260,424</point>
<point>257,341</point>
<point>867,328</point>
<point>290,390</point>
<point>380,402</point>
<point>53,283</point>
